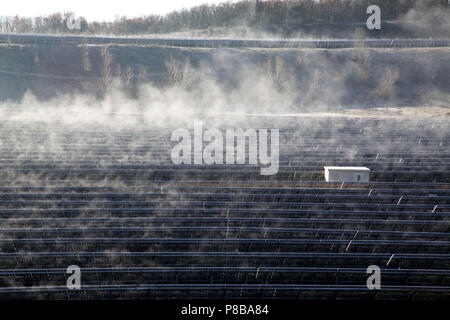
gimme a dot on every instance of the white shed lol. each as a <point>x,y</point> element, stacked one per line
<point>347,174</point>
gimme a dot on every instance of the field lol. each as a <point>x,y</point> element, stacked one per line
<point>87,178</point>
<point>109,200</point>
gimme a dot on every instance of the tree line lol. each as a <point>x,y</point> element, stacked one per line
<point>284,16</point>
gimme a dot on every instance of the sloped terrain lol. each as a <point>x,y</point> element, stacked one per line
<point>105,196</point>
<point>303,79</point>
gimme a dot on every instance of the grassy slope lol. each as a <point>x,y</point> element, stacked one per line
<point>424,74</point>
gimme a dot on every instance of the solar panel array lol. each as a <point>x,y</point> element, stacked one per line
<point>218,43</point>
<point>108,199</point>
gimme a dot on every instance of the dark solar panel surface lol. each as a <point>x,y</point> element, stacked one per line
<point>108,199</point>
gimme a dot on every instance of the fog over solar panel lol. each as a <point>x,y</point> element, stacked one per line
<point>105,196</point>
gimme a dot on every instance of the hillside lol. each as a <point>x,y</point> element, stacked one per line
<point>287,80</point>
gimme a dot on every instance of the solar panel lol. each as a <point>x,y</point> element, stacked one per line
<point>110,201</point>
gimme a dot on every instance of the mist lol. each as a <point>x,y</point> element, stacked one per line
<point>88,179</point>
<point>426,21</point>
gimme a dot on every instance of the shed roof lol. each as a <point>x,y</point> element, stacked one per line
<point>348,168</point>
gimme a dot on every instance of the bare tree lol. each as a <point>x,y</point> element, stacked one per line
<point>127,77</point>
<point>118,71</point>
<point>85,57</point>
<point>301,60</point>
<point>314,84</point>
<point>142,77</point>
<point>179,73</point>
<point>36,59</point>
<point>364,61</point>
<point>275,70</point>
<point>387,86</point>
<point>86,65</point>
<point>107,77</point>
<point>173,73</point>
